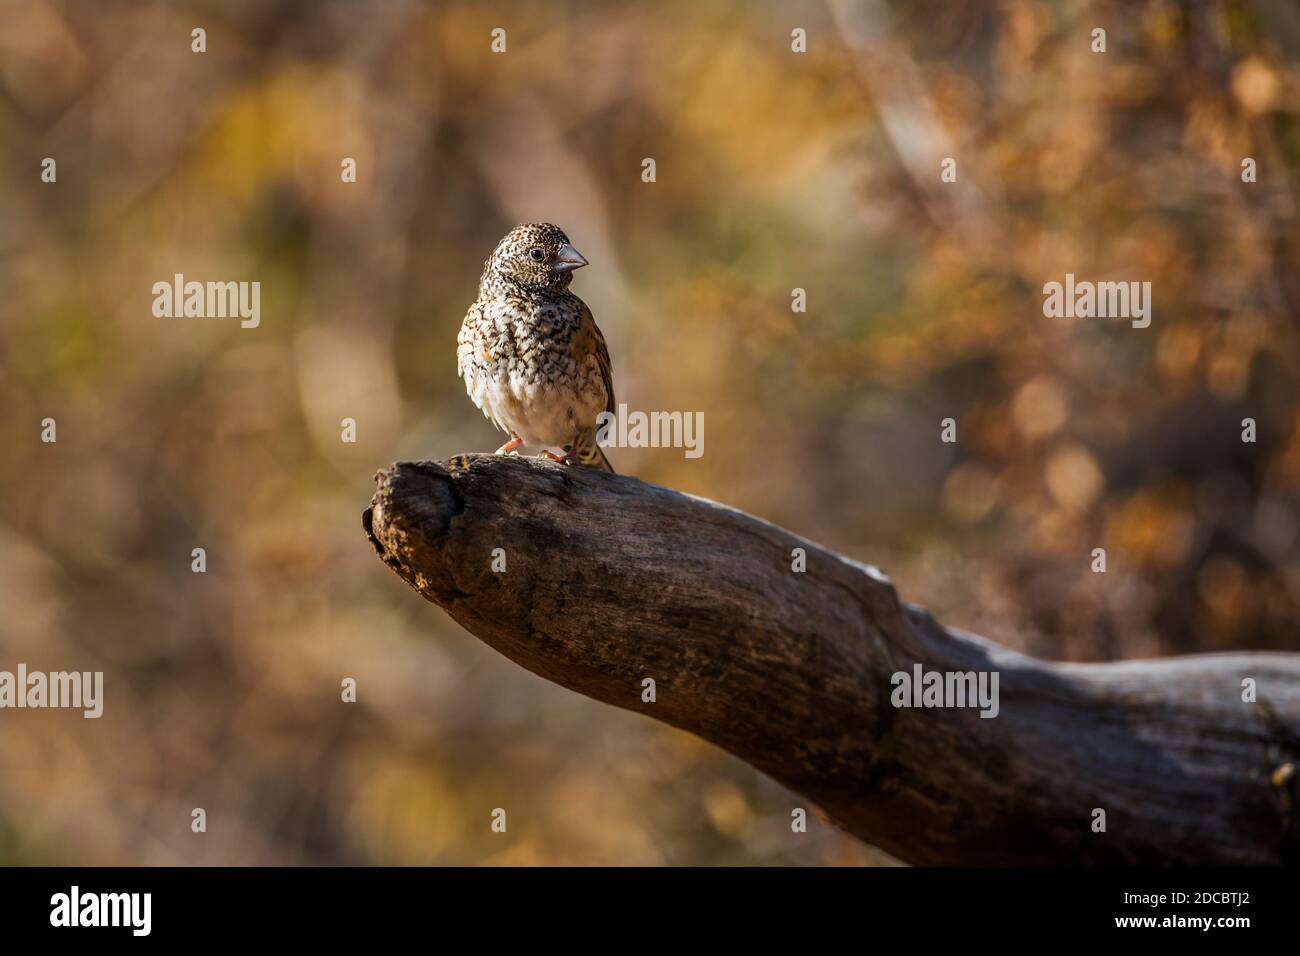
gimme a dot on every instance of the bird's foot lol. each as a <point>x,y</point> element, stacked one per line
<point>551,456</point>
<point>509,447</point>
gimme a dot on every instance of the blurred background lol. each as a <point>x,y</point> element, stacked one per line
<point>775,171</point>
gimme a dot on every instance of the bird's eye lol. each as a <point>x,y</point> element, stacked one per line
<point>536,254</point>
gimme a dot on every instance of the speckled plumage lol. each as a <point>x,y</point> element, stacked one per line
<point>529,350</point>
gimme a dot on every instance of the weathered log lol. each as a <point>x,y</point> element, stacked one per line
<point>609,581</point>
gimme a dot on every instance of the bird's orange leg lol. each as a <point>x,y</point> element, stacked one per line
<point>510,446</point>
<point>551,456</point>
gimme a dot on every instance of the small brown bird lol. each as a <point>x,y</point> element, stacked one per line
<point>529,350</point>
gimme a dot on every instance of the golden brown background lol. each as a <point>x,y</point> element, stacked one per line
<point>775,171</point>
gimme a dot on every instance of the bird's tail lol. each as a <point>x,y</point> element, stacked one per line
<point>588,452</point>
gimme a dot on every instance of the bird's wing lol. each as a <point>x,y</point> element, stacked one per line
<point>471,359</point>
<point>589,341</point>
<point>465,339</point>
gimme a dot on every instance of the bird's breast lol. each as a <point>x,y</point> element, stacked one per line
<point>526,377</point>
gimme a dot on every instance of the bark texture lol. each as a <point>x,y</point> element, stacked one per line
<point>609,581</point>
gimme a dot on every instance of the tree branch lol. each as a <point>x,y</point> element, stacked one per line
<point>610,580</point>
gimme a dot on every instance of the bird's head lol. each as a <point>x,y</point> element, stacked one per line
<point>536,257</point>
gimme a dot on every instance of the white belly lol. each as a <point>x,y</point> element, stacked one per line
<point>544,417</point>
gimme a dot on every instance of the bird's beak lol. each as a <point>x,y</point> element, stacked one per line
<point>568,259</point>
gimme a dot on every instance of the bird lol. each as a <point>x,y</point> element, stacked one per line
<point>529,350</point>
